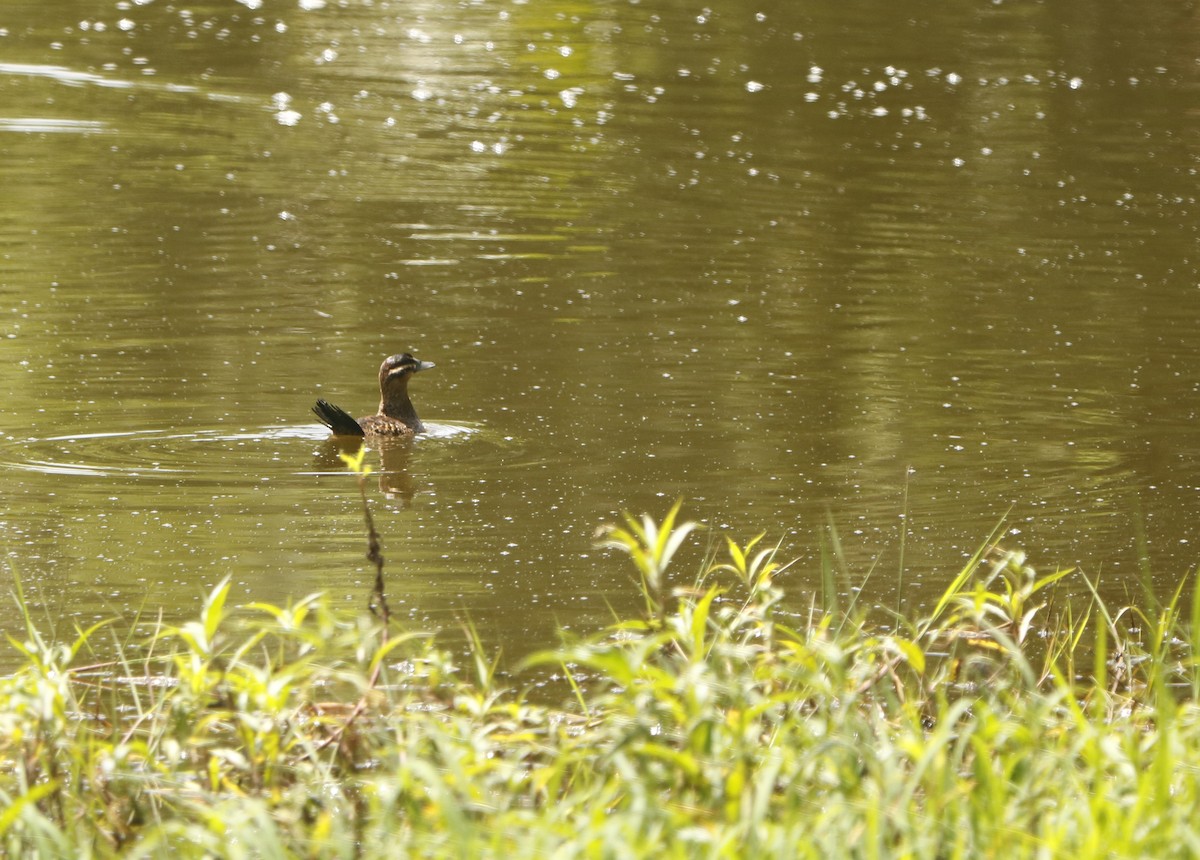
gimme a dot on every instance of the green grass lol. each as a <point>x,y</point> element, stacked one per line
<point>714,725</point>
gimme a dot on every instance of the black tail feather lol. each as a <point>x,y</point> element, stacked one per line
<point>338,420</point>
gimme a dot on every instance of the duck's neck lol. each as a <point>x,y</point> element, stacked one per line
<point>395,404</point>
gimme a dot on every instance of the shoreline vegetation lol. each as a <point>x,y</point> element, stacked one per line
<point>714,725</point>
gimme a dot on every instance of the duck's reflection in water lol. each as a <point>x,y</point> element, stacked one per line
<point>392,467</point>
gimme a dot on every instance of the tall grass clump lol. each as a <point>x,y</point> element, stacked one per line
<point>719,722</point>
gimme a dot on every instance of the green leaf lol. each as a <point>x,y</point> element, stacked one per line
<point>910,651</point>
<point>739,557</point>
<point>30,798</point>
<point>700,622</point>
<point>213,612</point>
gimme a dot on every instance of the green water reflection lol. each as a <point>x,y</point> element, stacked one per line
<point>791,264</point>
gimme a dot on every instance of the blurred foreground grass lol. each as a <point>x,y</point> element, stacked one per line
<point>715,725</point>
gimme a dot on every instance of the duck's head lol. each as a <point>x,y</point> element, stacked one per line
<point>396,370</point>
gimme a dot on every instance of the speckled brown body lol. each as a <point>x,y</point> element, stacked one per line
<point>396,416</point>
<point>381,425</point>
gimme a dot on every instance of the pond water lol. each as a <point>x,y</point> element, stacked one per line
<point>906,272</point>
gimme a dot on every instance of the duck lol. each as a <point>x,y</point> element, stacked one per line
<point>396,416</point>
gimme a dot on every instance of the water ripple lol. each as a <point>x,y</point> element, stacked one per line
<point>171,454</point>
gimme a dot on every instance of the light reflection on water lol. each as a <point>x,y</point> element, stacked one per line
<point>136,452</point>
<point>779,263</point>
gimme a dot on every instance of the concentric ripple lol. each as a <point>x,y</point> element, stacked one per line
<point>154,454</point>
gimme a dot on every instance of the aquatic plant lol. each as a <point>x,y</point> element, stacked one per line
<point>720,723</point>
